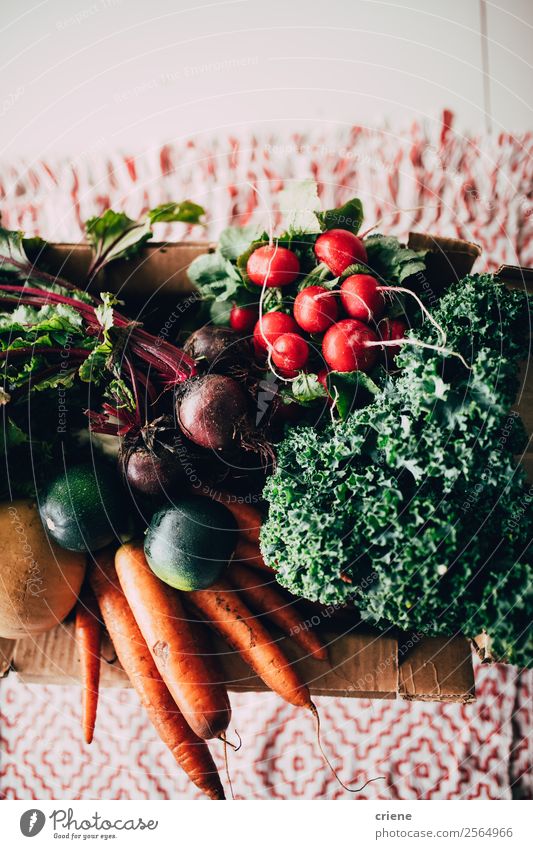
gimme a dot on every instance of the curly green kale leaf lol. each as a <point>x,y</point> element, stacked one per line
<point>412,508</point>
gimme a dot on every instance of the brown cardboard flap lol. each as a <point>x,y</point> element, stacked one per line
<point>363,664</point>
<point>447,260</point>
<point>516,277</point>
<point>438,669</point>
<point>160,268</point>
<point>52,658</point>
<point>7,649</point>
<point>483,646</point>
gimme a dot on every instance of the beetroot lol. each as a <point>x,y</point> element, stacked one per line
<point>217,348</point>
<point>213,412</point>
<point>149,460</point>
<point>150,474</point>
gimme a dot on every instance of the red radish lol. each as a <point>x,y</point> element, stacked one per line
<point>322,377</point>
<point>369,294</point>
<point>338,249</point>
<point>270,326</point>
<point>315,309</point>
<point>242,319</point>
<point>390,329</point>
<point>290,352</point>
<point>272,265</point>
<point>361,297</point>
<point>288,373</point>
<point>345,346</point>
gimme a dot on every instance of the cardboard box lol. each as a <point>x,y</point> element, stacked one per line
<point>363,663</point>
<point>447,260</point>
<point>160,270</point>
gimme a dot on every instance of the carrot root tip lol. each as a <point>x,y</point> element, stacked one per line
<point>234,746</point>
<point>226,763</point>
<point>314,710</point>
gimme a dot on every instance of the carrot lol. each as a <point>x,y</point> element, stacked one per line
<point>174,644</point>
<point>248,518</point>
<point>189,750</point>
<point>261,593</point>
<point>249,553</point>
<point>222,606</point>
<point>204,643</point>
<point>88,634</point>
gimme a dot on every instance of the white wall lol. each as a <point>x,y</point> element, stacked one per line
<point>76,75</point>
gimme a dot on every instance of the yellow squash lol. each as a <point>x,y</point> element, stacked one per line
<point>39,582</point>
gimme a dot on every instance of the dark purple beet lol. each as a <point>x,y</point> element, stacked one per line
<point>213,412</point>
<point>218,348</point>
<point>149,473</point>
<point>149,458</point>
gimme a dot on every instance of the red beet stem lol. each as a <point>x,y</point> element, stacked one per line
<point>101,422</point>
<point>73,353</point>
<point>44,277</point>
<point>148,386</point>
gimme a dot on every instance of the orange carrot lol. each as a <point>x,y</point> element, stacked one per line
<point>248,518</point>
<point>189,750</point>
<point>173,642</point>
<point>222,606</point>
<point>88,633</point>
<point>249,553</point>
<point>262,594</point>
<point>205,646</point>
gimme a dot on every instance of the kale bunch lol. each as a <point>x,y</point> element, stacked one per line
<point>413,508</point>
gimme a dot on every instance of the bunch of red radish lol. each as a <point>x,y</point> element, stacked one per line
<point>350,318</point>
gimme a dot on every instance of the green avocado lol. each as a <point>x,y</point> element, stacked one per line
<point>83,508</point>
<point>189,545</point>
